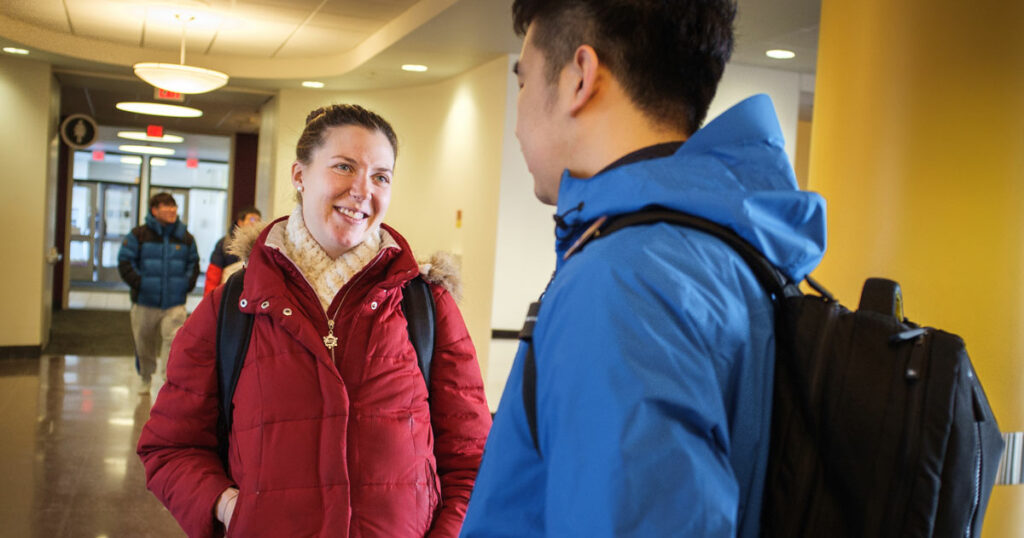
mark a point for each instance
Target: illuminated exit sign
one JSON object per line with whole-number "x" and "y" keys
{"x": 165, "y": 95}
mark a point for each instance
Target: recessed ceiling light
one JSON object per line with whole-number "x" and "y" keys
{"x": 780, "y": 54}
{"x": 15, "y": 50}
{"x": 414, "y": 67}
{"x": 131, "y": 159}
{"x": 159, "y": 109}
{"x": 146, "y": 150}
{"x": 313, "y": 84}
{"x": 140, "y": 135}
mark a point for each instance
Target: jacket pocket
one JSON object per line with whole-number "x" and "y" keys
{"x": 433, "y": 491}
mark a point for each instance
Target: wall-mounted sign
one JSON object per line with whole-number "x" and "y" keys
{"x": 78, "y": 131}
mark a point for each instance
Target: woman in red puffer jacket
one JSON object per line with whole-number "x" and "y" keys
{"x": 332, "y": 431}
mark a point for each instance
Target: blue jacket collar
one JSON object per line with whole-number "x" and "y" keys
{"x": 734, "y": 172}
{"x": 176, "y": 229}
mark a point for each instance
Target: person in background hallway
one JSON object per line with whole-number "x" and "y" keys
{"x": 223, "y": 265}
{"x": 333, "y": 432}
{"x": 159, "y": 262}
{"x": 653, "y": 348}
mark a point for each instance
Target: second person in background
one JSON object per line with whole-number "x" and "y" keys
{"x": 223, "y": 265}
{"x": 333, "y": 433}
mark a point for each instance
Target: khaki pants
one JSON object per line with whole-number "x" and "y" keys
{"x": 153, "y": 329}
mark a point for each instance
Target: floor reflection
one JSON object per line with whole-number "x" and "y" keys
{"x": 68, "y": 457}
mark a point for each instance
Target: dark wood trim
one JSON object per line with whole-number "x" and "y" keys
{"x": 504, "y": 334}
{"x": 64, "y": 184}
{"x": 20, "y": 352}
{"x": 243, "y": 193}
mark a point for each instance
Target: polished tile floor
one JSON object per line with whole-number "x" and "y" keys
{"x": 67, "y": 455}
{"x": 113, "y": 300}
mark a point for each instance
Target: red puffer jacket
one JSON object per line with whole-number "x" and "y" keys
{"x": 322, "y": 446}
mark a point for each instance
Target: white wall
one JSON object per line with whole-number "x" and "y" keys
{"x": 742, "y": 81}
{"x": 449, "y": 159}
{"x": 25, "y": 104}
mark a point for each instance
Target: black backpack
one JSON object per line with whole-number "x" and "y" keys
{"x": 234, "y": 329}
{"x": 880, "y": 428}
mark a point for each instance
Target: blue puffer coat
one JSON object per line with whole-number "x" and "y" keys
{"x": 655, "y": 350}
{"x": 160, "y": 263}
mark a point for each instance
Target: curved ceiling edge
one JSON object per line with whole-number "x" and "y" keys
{"x": 95, "y": 50}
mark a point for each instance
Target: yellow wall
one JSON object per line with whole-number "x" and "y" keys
{"x": 449, "y": 158}
{"x": 802, "y": 157}
{"x": 918, "y": 147}
{"x": 25, "y": 99}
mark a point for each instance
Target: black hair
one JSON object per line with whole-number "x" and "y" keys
{"x": 319, "y": 120}
{"x": 668, "y": 55}
{"x": 162, "y": 198}
{"x": 250, "y": 210}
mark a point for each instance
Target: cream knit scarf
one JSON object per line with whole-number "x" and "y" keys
{"x": 327, "y": 276}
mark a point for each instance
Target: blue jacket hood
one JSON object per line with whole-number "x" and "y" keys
{"x": 734, "y": 172}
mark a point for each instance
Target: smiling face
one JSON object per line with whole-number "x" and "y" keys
{"x": 165, "y": 213}
{"x": 346, "y": 186}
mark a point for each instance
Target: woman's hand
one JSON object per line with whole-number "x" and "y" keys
{"x": 226, "y": 506}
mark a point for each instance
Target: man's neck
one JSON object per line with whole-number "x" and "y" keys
{"x": 607, "y": 137}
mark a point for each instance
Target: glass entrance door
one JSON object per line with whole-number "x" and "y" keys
{"x": 119, "y": 210}
{"x": 101, "y": 215}
{"x": 84, "y": 217}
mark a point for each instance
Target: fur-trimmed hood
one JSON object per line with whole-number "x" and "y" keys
{"x": 441, "y": 268}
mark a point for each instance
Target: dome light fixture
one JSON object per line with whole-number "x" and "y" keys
{"x": 140, "y": 135}
{"x": 780, "y": 54}
{"x": 15, "y": 50}
{"x": 180, "y": 78}
{"x": 312, "y": 84}
{"x": 159, "y": 109}
{"x": 146, "y": 150}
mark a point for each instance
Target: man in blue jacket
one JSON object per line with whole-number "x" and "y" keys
{"x": 160, "y": 263}
{"x": 653, "y": 346}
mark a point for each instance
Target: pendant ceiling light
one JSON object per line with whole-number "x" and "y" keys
{"x": 180, "y": 78}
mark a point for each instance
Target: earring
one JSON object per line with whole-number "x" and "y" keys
{"x": 300, "y": 188}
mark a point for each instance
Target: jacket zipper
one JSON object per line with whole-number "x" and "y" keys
{"x": 976, "y": 498}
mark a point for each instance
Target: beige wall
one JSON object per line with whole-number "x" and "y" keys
{"x": 25, "y": 100}
{"x": 449, "y": 159}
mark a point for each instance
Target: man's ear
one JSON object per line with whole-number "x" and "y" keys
{"x": 584, "y": 70}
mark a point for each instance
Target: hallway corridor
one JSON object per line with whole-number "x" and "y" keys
{"x": 67, "y": 457}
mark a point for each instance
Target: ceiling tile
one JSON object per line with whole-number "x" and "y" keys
{"x": 258, "y": 38}
{"x": 382, "y": 10}
{"x": 314, "y": 40}
{"x": 321, "y": 41}
{"x": 107, "y": 20}
{"x": 47, "y": 14}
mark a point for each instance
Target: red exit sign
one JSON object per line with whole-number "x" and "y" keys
{"x": 165, "y": 95}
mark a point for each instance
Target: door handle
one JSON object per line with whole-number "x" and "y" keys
{"x": 53, "y": 256}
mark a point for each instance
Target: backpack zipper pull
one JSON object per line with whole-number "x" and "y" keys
{"x": 330, "y": 340}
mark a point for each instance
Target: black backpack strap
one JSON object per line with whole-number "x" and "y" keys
{"x": 234, "y": 330}
{"x": 530, "y": 373}
{"x": 770, "y": 277}
{"x": 418, "y": 307}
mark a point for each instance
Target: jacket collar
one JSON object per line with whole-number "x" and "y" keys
{"x": 734, "y": 172}
{"x": 175, "y": 229}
